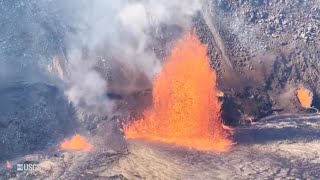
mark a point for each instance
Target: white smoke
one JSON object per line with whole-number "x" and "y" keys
{"x": 87, "y": 86}
{"x": 121, "y": 31}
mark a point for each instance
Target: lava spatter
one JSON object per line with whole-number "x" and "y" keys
{"x": 185, "y": 110}
{"x": 77, "y": 143}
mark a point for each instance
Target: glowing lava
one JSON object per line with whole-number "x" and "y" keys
{"x": 186, "y": 110}
{"x": 305, "y": 97}
{"x": 8, "y": 165}
{"x": 77, "y": 143}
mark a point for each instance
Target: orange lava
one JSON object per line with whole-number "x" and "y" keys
{"x": 305, "y": 97}
{"x": 186, "y": 110}
{"x": 8, "y": 165}
{"x": 77, "y": 143}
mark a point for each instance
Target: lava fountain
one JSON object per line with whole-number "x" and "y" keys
{"x": 77, "y": 143}
{"x": 186, "y": 109}
{"x": 305, "y": 97}
{"x": 8, "y": 165}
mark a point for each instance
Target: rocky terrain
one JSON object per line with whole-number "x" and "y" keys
{"x": 274, "y": 147}
{"x": 262, "y": 51}
{"x": 31, "y": 118}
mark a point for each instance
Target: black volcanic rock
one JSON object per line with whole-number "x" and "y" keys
{"x": 33, "y": 117}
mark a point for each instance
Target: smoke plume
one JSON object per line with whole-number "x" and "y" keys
{"x": 108, "y": 45}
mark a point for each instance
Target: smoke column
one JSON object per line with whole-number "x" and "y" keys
{"x": 114, "y": 37}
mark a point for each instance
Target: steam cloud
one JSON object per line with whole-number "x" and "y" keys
{"x": 114, "y": 37}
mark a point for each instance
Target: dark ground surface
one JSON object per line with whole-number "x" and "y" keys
{"x": 271, "y": 45}
{"x": 277, "y": 147}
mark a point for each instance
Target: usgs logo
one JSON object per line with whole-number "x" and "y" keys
{"x": 27, "y": 166}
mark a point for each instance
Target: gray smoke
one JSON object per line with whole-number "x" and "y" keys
{"x": 111, "y": 40}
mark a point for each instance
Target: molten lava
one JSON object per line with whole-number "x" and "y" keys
{"x": 186, "y": 110}
{"x": 305, "y": 97}
{"x": 8, "y": 165}
{"x": 77, "y": 143}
